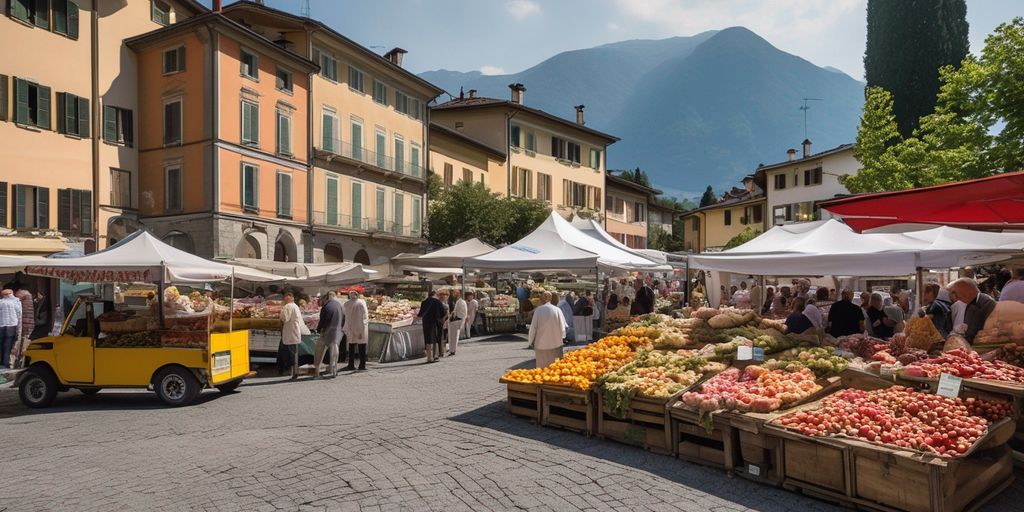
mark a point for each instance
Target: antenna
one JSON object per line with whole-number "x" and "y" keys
{"x": 805, "y": 108}
{"x": 305, "y": 10}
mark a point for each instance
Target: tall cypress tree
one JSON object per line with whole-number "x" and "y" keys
{"x": 709, "y": 198}
{"x": 908, "y": 41}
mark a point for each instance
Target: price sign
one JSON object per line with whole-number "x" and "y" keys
{"x": 949, "y": 385}
{"x": 744, "y": 353}
{"x": 758, "y": 354}
{"x": 754, "y": 470}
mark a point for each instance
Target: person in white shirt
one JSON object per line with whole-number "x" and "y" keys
{"x": 1014, "y": 290}
{"x": 356, "y": 329}
{"x": 456, "y": 321}
{"x": 10, "y": 325}
{"x": 291, "y": 331}
{"x": 472, "y": 307}
{"x": 741, "y": 298}
{"x": 547, "y": 330}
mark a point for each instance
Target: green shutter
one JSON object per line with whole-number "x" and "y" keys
{"x": 42, "y": 208}
{"x": 254, "y": 122}
{"x": 43, "y": 107}
{"x": 20, "y": 9}
{"x": 332, "y": 202}
{"x": 3, "y": 97}
{"x": 109, "y": 124}
{"x": 72, "y": 19}
{"x": 41, "y": 13}
{"x": 181, "y": 58}
{"x": 20, "y": 101}
{"x": 61, "y": 112}
{"x": 3, "y": 204}
{"x": 86, "y": 202}
{"x": 60, "y": 16}
{"x": 68, "y": 122}
{"x": 83, "y": 117}
{"x": 18, "y": 217}
{"x": 328, "y": 144}
{"x": 64, "y": 209}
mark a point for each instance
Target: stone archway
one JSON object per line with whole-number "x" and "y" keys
{"x": 180, "y": 240}
{"x": 333, "y": 253}
{"x": 284, "y": 248}
{"x": 248, "y": 247}
{"x": 362, "y": 257}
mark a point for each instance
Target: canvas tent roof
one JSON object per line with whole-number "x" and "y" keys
{"x": 447, "y": 258}
{"x": 306, "y": 273}
{"x": 594, "y": 230}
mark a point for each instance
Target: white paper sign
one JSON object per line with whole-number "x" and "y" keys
{"x": 744, "y": 353}
{"x": 754, "y": 470}
{"x": 758, "y": 354}
{"x": 949, "y": 385}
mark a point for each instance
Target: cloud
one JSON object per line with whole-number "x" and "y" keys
{"x": 612, "y": 26}
{"x": 492, "y": 70}
{"x": 522, "y": 9}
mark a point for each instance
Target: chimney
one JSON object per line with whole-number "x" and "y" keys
{"x": 216, "y": 5}
{"x": 472, "y": 93}
{"x": 807, "y": 148}
{"x": 518, "y": 91}
{"x": 790, "y": 155}
{"x": 748, "y": 183}
{"x": 395, "y": 56}
{"x": 462, "y": 93}
{"x": 579, "y": 115}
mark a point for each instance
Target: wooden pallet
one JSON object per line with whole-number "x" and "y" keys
{"x": 523, "y": 399}
{"x": 568, "y": 408}
{"x": 647, "y": 423}
{"x": 695, "y": 443}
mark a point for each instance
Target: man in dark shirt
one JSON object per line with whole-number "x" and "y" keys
{"x": 643, "y": 303}
{"x": 432, "y": 312}
{"x": 844, "y": 317}
{"x": 797, "y": 322}
{"x": 979, "y": 305}
{"x": 937, "y": 308}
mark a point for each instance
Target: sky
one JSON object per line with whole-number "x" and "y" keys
{"x": 507, "y": 36}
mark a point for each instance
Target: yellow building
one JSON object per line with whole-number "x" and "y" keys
{"x": 66, "y": 128}
{"x": 710, "y": 228}
{"x": 368, "y": 136}
{"x": 456, "y": 157}
{"x": 551, "y": 159}
{"x": 627, "y": 207}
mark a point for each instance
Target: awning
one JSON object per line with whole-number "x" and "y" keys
{"x": 30, "y": 245}
{"x": 996, "y": 202}
{"x": 302, "y": 273}
{"x": 448, "y": 257}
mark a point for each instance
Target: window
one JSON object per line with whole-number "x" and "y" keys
{"x": 695, "y": 224}
{"x": 172, "y": 122}
{"x": 160, "y": 12}
{"x": 531, "y": 142}
{"x": 3, "y": 204}
{"x": 414, "y": 159}
{"x": 572, "y": 152}
{"x": 382, "y": 147}
{"x": 543, "y": 186}
{"x": 72, "y": 114}
{"x": 33, "y": 12}
{"x": 522, "y": 182}
{"x": 782, "y": 214}
{"x": 355, "y": 79}
{"x": 753, "y": 215}
{"x": 399, "y": 213}
{"x": 357, "y": 139}
{"x": 250, "y": 64}
{"x": 284, "y": 134}
{"x": 402, "y": 102}
{"x": 728, "y": 217}
{"x": 32, "y": 207}
{"x": 638, "y": 212}
{"x": 417, "y": 216}
{"x": 515, "y": 137}
{"x": 595, "y": 159}
{"x": 173, "y": 188}
{"x": 65, "y": 18}
{"x": 399, "y": 154}
{"x": 284, "y": 80}
{"x": 381, "y": 197}
{"x": 250, "y": 188}
{"x": 284, "y": 194}
{"x": 467, "y": 175}
{"x": 74, "y": 211}
{"x": 812, "y": 177}
{"x": 31, "y": 104}
{"x": 331, "y": 137}
{"x": 3, "y": 101}
{"x": 449, "y": 175}
{"x": 118, "y": 126}
{"x": 557, "y": 147}
{"x": 380, "y": 93}
{"x": 250, "y": 123}
{"x": 174, "y": 60}
{"x": 328, "y": 65}
{"x": 780, "y": 181}
{"x": 357, "y": 205}
{"x": 332, "y": 200}
{"x": 120, "y": 188}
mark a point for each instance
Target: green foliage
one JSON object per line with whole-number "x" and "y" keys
{"x": 709, "y": 198}
{"x": 658, "y": 238}
{"x": 675, "y": 204}
{"x": 467, "y": 210}
{"x": 908, "y": 41}
{"x": 524, "y": 215}
{"x": 745, "y": 236}
{"x": 636, "y": 176}
{"x": 958, "y": 140}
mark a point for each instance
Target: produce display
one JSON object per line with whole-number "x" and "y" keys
{"x": 901, "y": 417}
{"x": 823, "y": 361}
{"x": 654, "y": 374}
{"x": 183, "y": 339}
{"x": 141, "y": 339}
{"x": 968, "y": 365}
{"x": 387, "y": 310}
{"x": 580, "y": 368}
{"x": 727, "y": 351}
{"x": 1012, "y": 353}
{"x": 502, "y": 305}
{"x": 921, "y": 333}
{"x": 755, "y": 389}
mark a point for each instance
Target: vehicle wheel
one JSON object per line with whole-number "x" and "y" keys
{"x": 38, "y": 387}
{"x": 229, "y": 387}
{"x": 89, "y": 391}
{"x": 176, "y": 386}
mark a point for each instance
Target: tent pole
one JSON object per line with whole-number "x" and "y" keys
{"x": 919, "y": 286}
{"x": 231, "y": 302}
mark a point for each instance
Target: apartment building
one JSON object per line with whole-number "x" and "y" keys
{"x": 66, "y": 121}
{"x": 627, "y": 207}
{"x": 368, "y": 133}
{"x": 550, "y": 158}
{"x": 224, "y": 163}
{"x": 455, "y": 157}
{"x": 794, "y": 187}
{"x": 710, "y": 228}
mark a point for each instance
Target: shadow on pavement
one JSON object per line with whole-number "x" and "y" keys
{"x": 107, "y": 400}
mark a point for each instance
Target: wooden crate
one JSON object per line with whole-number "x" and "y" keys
{"x": 647, "y": 423}
{"x": 695, "y": 443}
{"x": 819, "y": 467}
{"x": 523, "y": 399}
{"x": 568, "y": 408}
{"x": 760, "y": 457}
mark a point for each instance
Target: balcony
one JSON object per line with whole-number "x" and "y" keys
{"x": 380, "y": 161}
{"x": 367, "y": 225}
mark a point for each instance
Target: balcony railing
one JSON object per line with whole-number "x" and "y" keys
{"x": 364, "y": 155}
{"x": 368, "y": 224}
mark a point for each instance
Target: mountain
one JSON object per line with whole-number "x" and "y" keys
{"x": 691, "y": 111}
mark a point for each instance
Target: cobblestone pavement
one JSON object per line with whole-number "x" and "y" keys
{"x": 398, "y": 437}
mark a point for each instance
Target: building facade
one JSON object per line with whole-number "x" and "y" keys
{"x": 550, "y": 159}
{"x": 368, "y": 140}
{"x": 456, "y": 157}
{"x": 627, "y": 211}
{"x": 794, "y": 187}
{"x": 710, "y": 228}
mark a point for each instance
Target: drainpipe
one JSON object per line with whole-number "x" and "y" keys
{"x": 508, "y": 153}
{"x": 215, "y": 133}
{"x": 94, "y": 42}
{"x": 310, "y": 172}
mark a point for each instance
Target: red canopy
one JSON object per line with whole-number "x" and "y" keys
{"x": 996, "y": 202}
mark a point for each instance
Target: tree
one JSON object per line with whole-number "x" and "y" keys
{"x": 709, "y": 198}
{"x": 636, "y": 176}
{"x": 524, "y": 215}
{"x": 908, "y": 41}
{"x": 466, "y": 210}
{"x": 658, "y": 238}
{"x": 743, "y": 237}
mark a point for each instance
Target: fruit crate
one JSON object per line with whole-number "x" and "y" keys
{"x": 523, "y": 399}
{"x": 695, "y": 442}
{"x": 568, "y": 408}
{"x": 497, "y": 324}
{"x": 760, "y": 456}
{"x": 647, "y": 423}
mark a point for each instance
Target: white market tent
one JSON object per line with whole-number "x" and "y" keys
{"x": 594, "y": 230}
{"x": 12, "y": 264}
{"x": 304, "y": 273}
{"x": 448, "y": 260}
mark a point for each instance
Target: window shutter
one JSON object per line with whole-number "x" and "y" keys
{"x": 68, "y": 103}
{"x": 529, "y": 183}
{"x": 3, "y": 97}
{"x": 3, "y": 204}
{"x": 128, "y": 127}
{"x": 72, "y": 19}
{"x": 180, "y": 51}
{"x": 60, "y": 16}
{"x": 20, "y": 101}
{"x": 43, "y": 107}
{"x": 42, "y": 208}
{"x": 110, "y": 124}
{"x": 254, "y": 122}
{"x": 83, "y": 117}
{"x": 286, "y": 196}
{"x": 86, "y": 202}
{"x": 332, "y": 202}
{"x": 61, "y": 113}
{"x": 41, "y": 13}
{"x": 328, "y": 126}
{"x": 64, "y": 209}
{"x": 18, "y": 217}
{"x": 20, "y": 9}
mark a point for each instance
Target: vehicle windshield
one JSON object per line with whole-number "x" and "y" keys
{"x": 75, "y": 319}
